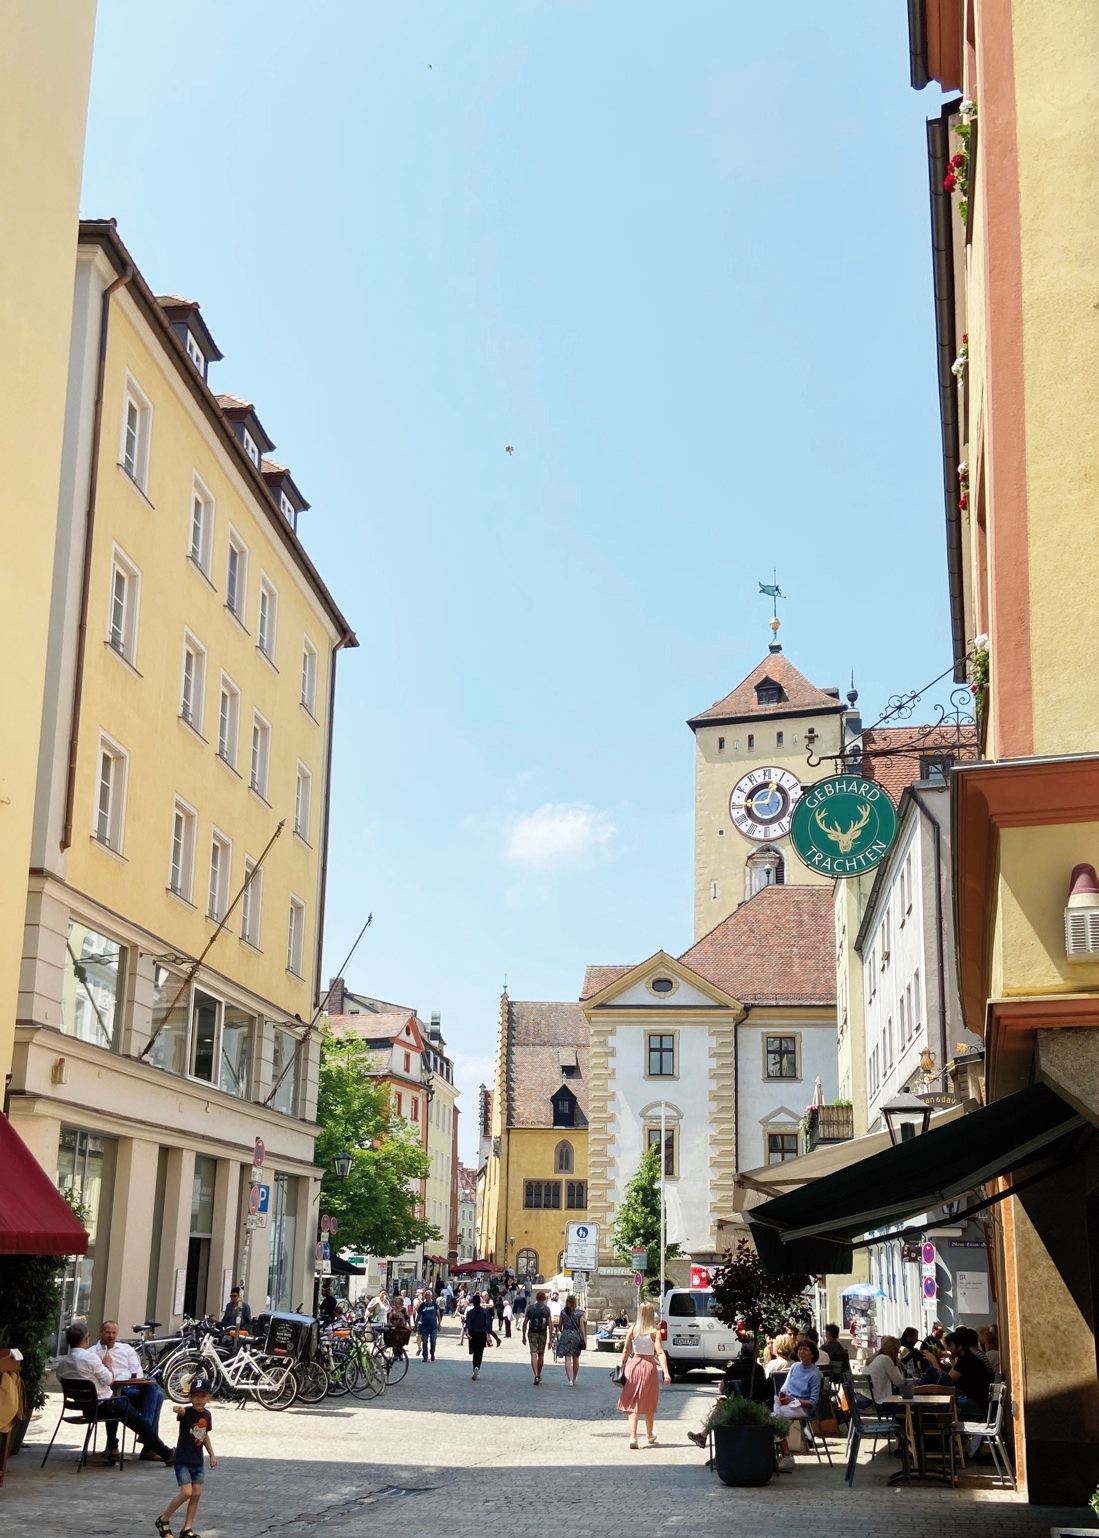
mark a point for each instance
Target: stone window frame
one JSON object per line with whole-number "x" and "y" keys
{"x": 798, "y": 1059}
{"x": 672, "y": 1031}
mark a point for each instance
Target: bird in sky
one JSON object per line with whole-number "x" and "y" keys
{"x": 509, "y": 449}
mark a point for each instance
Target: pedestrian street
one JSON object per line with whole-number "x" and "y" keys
{"x": 441, "y": 1454}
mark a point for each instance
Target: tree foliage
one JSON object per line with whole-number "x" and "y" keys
{"x": 30, "y": 1302}
{"x": 377, "y": 1204}
{"x": 637, "y": 1221}
{"x": 762, "y": 1302}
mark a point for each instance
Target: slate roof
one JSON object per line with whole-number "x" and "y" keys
{"x": 800, "y": 695}
{"x": 776, "y": 948}
{"x": 598, "y": 978}
{"x": 542, "y": 1037}
{"x": 898, "y": 771}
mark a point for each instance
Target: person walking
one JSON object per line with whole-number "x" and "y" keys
{"x": 508, "y": 1314}
{"x": 479, "y": 1328}
{"x": 195, "y": 1425}
{"x": 427, "y": 1327}
{"x": 536, "y": 1323}
{"x": 572, "y": 1338}
{"x": 642, "y": 1351}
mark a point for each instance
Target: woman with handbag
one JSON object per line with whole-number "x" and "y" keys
{"x": 641, "y": 1351}
{"x": 571, "y": 1338}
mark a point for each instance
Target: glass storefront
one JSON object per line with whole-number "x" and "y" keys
{"x": 204, "y": 1035}
{"x": 202, "y": 1228}
{"x": 92, "y": 985}
{"x": 85, "y": 1174}
{"x": 283, "y": 1220}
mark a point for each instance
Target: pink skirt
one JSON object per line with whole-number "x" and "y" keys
{"x": 641, "y": 1390}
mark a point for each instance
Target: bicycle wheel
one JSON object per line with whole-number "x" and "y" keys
{"x": 312, "y": 1383}
{"x": 341, "y": 1373}
{"x": 396, "y": 1364}
{"x": 370, "y": 1379}
{"x": 177, "y": 1384}
{"x": 280, "y": 1389}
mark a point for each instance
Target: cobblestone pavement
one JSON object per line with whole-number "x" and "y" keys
{"x": 440, "y": 1454}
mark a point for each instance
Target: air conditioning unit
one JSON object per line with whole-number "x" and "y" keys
{"x": 1082, "y": 915}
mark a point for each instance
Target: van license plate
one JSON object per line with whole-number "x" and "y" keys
{"x": 684, "y": 1340}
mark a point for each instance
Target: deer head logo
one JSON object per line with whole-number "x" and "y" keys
{"x": 843, "y": 837}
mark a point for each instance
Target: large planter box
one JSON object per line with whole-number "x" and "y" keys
{"x": 744, "y": 1455}
{"x": 831, "y": 1124}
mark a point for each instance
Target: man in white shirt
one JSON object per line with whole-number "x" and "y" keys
{"x": 124, "y": 1362}
{"x": 84, "y": 1363}
{"x": 556, "y": 1308}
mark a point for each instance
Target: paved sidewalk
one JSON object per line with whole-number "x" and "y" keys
{"x": 440, "y": 1454}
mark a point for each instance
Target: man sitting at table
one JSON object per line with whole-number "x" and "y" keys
{"x": 111, "y": 1408}
{"x": 124, "y": 1362}
{"x": 237, "y": 1315}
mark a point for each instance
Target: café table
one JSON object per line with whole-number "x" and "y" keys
{"x": 914, "y": 1411}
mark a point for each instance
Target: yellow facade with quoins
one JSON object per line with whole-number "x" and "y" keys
{"x": 174, "y": 908}
{"x": 45, "y": 64}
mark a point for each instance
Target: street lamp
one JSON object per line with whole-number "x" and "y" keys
{"x": 906, "y": 1117}
{"x": 342, "y": 1163}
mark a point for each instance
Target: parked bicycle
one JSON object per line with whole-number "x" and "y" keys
{"x": 240, "y": 1373}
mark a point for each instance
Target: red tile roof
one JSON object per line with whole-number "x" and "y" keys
{"x": 776, "y": 948}
{"x": 542, "y": 1037}
{"x": 741, "y": 705}
{"x": 598, "y": 978}
{"x": 898, "y": 770}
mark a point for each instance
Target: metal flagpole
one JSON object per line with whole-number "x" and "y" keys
{"x": 663, "y": 1170}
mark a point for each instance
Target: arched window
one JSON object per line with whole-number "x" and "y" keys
{"x": 763, "y": 867}
{"x": 562, "y": 1159}
{"x": 526, "y": 1263}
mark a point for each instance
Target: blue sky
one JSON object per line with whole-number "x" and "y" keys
{"x": 678, "y": 258}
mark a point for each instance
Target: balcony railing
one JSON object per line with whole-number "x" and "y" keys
{"x": 829, "y": 1124}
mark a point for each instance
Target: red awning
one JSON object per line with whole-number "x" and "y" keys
{"x": 472, "y": 1267}
{"x": 35, "y": 1219}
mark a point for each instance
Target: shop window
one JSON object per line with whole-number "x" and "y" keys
{"x": 92, "y": 986}
{"x": 283, "y": 1222}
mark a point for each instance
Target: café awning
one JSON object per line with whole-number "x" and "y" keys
{"x": 814, "y": 1228}
{"x": 476, "y": 1268}
{"x": 341, "y": 1267}
{"x": 35, "y": 1219}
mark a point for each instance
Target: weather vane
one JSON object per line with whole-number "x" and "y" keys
{"x": 772, "y": 591}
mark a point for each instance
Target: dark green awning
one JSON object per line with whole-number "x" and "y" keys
{"x": 813, "y": 1228}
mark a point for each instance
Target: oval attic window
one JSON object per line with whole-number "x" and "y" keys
{"x": 662, "y": 985}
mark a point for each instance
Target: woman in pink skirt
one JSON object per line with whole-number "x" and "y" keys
{"x": 641, "y": 1352}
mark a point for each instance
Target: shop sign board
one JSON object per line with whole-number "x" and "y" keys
{"x": 843, "y": 826}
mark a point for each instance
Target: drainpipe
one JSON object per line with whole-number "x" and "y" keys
{"x": 939, "y": 962}
{"x": 317, "y": 974}
{"x": 86, "y": 576}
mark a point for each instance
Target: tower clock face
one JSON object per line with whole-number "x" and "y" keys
{"x": 762, "y": 803}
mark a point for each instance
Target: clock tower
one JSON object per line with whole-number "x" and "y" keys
{"x": 750, "y": 764}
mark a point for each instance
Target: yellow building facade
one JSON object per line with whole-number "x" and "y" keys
{"x": 1014, "y": 182}
{"x": 175, "y": 905}
{"x": 534, "y": 1179}
{"x": 45, "y": 65}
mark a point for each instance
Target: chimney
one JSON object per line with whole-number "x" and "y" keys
{"x": 337, "y": 990}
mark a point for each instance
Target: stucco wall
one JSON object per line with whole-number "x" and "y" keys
{"x": 763, "y": 1102}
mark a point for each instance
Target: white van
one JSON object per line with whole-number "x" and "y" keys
{"x": 692, "y": 1336}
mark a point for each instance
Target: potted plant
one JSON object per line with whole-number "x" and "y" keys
{"x": 744, "y": 1441}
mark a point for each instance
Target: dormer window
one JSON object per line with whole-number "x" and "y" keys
{"x": 196, "y": 355}
{"x": 769, "y": 693}
{"x": 250, "y": 448}
{"x": 286, "y": 507}
{"x": 564, "y": 1108}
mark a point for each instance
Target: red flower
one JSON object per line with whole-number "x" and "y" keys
{"x": 965, "y": 337}
{"x": 950, "y": 181}
{"x": 958, "y": 162}
{"x": 963, "y": 501}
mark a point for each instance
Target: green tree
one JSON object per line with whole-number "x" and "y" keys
{"x": 376, "y": 1205}
{"x": 637, "y": 1221}
{"x": 762, "y": 1302}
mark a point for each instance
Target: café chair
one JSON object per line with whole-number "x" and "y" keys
{"x": 859, "y": 1427}
{"x": 79, "y": 1395}
{"x": 992, "y": 1433}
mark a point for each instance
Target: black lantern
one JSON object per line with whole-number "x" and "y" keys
{"x": 906, "y": 1117}
{"x": 342, "y": 1163}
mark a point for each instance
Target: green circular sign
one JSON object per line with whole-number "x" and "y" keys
{"x": 843, "y": 826}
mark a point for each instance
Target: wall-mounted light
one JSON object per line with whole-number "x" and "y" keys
{"x": 1082, "y": 915}
{"x": 906, "y": 1117}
